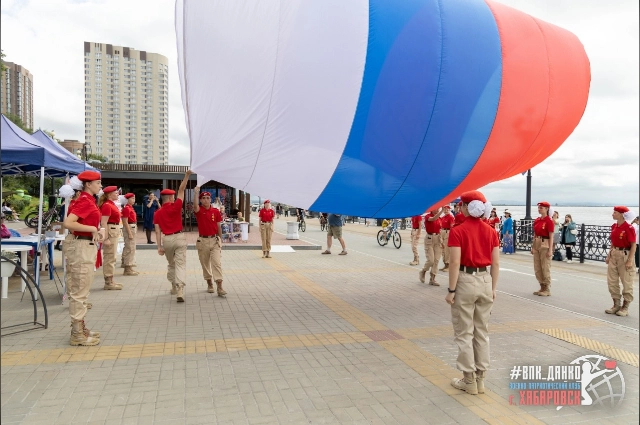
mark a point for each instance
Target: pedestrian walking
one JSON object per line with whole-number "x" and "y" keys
{"x": 473, "y": 278}
{"x": 266, "y": 227}
{"x": 432, "y": 248}
{"x": 334, "y": 222}
{"x": 568, "y": 234}
{"x": 542, "y": 248}
{"x": 80, "y": 250}
{"x": 278, "y": 210}
{"x": 446, "y": 223}
{"x": 150, "y": 206}
{"x": 130, "y": 228}
{"x": 619, "y": 261}
{"x": 172, "y": 242}
{"x": 507, "y": 234}
{"x": 416, "y": 228}
{"x": 209, "y": 243}
{"x": 111, "y": 222}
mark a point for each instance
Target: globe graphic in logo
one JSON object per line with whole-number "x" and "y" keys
{"x": 601, "y": 381}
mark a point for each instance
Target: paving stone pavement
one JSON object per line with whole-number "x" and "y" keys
{"x": 299, "y": 339}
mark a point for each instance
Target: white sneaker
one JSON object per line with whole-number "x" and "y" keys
{"x": 569, "y": 261}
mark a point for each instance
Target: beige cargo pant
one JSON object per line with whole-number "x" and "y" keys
{"x": 266, "y": 229}
{"x": 209, "y": 253}
{"x": 541, "y": 261}
{"x": 617, "y": 273}
{"x": 415, "y": 239}
{"x": 129, "y": 251}
{"x": 109, "y": 251}
{"x": 175, "y": 249}
{"x": 81, "y": 259}
{"x": 433, "y": 251}
{"x": 470, "y": 314}
{"x": 444, "y": 238}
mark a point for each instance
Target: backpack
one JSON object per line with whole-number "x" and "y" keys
{"x": 557, "y": 255}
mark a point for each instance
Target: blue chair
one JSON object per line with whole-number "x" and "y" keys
{"x": 14, "y": 233}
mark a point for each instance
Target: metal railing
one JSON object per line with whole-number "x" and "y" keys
{"x": 143, "y": 167}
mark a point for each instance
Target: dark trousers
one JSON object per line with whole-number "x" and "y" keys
{"x": 568, "y": 251}
{"x": 637, "y": 257}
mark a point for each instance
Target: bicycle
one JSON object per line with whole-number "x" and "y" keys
{"x": 31, "y": 220}
{"x": 390, "y": 233}
{"x": 302, "y": 224}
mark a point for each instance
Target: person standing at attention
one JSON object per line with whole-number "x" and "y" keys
{"x": 209, "y": 243}
{"x": 473, "y": 278}
{"x": 130, "y": 226}
{"x": 416, "y": 227}
{"x": 334, "y": 221}
{"x": 80, "y": 250}
{"x": 620, "y": 261}
{"x": 151, "y": 206}
{"x": 432, "y": 248}
{"x": 446, "y": 221}
{"x": 171, "y": 241}
{"x": 542, "y": 249}
{"x": 266, "y": 215}
{"x": 111, "y": 222}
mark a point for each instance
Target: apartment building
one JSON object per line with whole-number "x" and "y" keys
{"x": 17, "y": 93}
{"x": 126, "y": 104}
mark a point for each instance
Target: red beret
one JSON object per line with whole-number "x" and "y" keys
{"x": 129, "y": 195}
{"x": 89, "y": 176}
{"x": 167, "y": 192}
{"x": 266, "y": 201}
{"x": 447, "y": 206}
{"x": 460, "y": 203}
{"x": 205, "y": 194}
{"x": 621, "y": 209}
{"x": 544, "y": 204}
{"x": 110, "y": 189}
{"x": 472, "y": 195}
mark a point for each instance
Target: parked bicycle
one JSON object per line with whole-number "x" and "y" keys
{"x": 51, "y": 216}
{"x": 390, "y": 233}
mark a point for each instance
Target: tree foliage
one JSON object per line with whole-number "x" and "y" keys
{"x": 18, "y": 121}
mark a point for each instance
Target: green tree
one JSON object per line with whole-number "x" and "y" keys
{"x": 98, "y": 157}
{"x": 18, "y": 121}
{"x": 4, "y": 68}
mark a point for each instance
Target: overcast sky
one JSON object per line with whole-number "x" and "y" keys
{"x": 598, "y": 163}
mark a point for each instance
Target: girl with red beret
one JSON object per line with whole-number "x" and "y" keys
{"x": 111, "y": 222}
{"x": 542, "y": 248}
{"x": 620, "y": 261}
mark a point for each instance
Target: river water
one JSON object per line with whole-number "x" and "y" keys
{"x": 600, "y": 216}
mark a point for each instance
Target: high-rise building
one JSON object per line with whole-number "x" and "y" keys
{"x": 17, "y": 93}
{"x": 126, "y": 98}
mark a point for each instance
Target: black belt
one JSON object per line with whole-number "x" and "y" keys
{"x": 446, "y": 230}
{"x": 543, "y": 237}
{"x": 84, "y": 238}
{"x": 169, "y": 234}
{"x": 432, "y": 233}
{"x": 265, "y": 222}
{"x": 472, "y": 270}
{"x": 207, "y": 237}
{"x": 621, "y": 249}
{"x": 415, "y": 228}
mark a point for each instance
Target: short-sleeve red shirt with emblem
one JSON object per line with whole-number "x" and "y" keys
{"x": 266, "y": 215}
{"x": 169, "y": 217}
{"x": 543, "y": 226}
{"x": 431, "y": 226}
{"x": 208, "y": 220}
{"x": 110, "y": 210}
{"x": 416, "y": 220}
{"x": 447, "y": 221}
{"x": 130, "y": 214}
{"x": 459, "y": 219}
{"x": 476, "y": 241}
{"x": 622, "y": 236}
{"x": 86, "y": 209}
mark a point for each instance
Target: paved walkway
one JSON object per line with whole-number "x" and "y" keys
{"x": 301, "y": 338}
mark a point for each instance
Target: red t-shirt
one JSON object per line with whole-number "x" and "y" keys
{"x": 622, "y": 236}
{"x": 476, "y": 241}
{"x": 431, "y": 226}
{"x": 130, "y": 214}
{"x": 169, "y": 217}
{"x": 87, "y": 211}
{"x": 447, "y": 221}
{"x": 415, "y": 221}
{"x": 266, "y": 215}
{"x": 493, "y": 221}
{"x": 208, "y": 220}
{"x": 459, "y": 219}
{"x": 110, "y": 210}
{"x": 543, "y": 226}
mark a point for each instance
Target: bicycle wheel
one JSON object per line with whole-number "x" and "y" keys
{"x": 381, "y": 239}
{"x": 31, "y": 220}
{"x": 303, "y": 226}
{"x": 397, "y": 240}
{"x": 322, "y": 227}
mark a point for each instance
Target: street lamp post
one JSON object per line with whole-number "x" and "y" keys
{"x": 528, "y": 210}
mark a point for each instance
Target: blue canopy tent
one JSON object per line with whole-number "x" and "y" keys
{"x": 75, "y": 165}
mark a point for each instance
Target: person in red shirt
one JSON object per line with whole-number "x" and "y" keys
{"x": 130, "y": 226}
{"x": 458, "y": 216}
{"x": 111, "y": 222}
{"x": 446, "y": 221}
{"x": 80, "y": 250}
{"x": 266, "y": 215}
{"x": 473, "y": 278}
{"x": 416, "y": 227}
{"x": 209, "y": 243}
{"x": 432, "y": 248}
{"x": 542, "y": 248}
{"x": 620, "y": 261}
{"x": 171, "y": 240}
